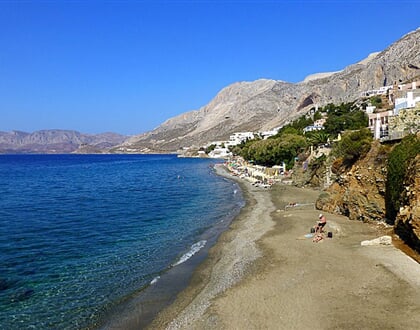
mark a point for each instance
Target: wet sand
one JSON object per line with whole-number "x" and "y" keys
{"x": 264, "y": 274}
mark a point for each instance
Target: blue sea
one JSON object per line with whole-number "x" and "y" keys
{"x": 83, "y": 236}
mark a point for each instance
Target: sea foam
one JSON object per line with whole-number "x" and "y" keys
{"x": 194, "y": 249}
{"x": 154, "y": 281}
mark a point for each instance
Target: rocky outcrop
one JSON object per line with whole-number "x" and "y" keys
{"x": 266, "y": 104}
{"x": 383, "y": 240}
{"x": 359, "y": 192}
{"x": 407, "y": 224}
{"x": 57, "y": 141}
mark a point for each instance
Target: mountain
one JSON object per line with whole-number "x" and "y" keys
{"x": 265, "y": 104}
{"x": 58, "y": 141}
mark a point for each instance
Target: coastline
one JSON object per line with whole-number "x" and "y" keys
{"x": 264, "y": 273}
{"x": 228, "y": 261}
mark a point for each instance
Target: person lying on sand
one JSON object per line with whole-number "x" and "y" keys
{"x": 317, "y": 238}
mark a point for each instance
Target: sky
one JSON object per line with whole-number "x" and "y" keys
{"x": 127, "y": 66}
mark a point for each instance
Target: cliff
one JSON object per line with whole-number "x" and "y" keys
{"x": 359, "y": 193}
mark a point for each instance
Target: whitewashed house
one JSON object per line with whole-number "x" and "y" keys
{"x": 379, "y": 121}
{"x": 220, "y": 152}
{"x": 238, "y": 138}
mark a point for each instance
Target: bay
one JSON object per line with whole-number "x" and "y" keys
{"x": 80, "y": 234}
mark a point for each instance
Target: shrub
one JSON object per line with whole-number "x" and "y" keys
{"x": 398, "y": 161}
{"x": 376, "y": 101}
{"x": 210, "y": 148}
{"x": 353, "y": 146}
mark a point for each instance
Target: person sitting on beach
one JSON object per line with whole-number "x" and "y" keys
{"x": 321, "y": 223}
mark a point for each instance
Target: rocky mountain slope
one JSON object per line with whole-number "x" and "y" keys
{"x": 57, "y": 141}
{"x": 266, "y": 104}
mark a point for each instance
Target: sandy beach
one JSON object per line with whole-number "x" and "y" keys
{"x": 265, "y": 274}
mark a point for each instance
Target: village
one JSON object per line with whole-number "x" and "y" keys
{"x": 385, "y": 125}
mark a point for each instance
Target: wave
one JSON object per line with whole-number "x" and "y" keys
{"x": 194, "y": 249}
{"x": 154, "y": 281}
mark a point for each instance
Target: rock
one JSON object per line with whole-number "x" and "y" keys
{"x": 383, "y": 240}
{"x": 359, "y": 199}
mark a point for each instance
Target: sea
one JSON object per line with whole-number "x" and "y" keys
{"x": 91, "y": 241}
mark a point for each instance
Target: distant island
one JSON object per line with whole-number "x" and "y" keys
{"x": 58, "y": 141}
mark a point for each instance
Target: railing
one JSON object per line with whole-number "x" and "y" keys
{"x": 398, "y": 135}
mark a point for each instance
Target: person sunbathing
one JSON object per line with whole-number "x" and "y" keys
{"x": 318, "y": 237}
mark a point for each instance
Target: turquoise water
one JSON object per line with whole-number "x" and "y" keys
{"x": 80, "y": 233}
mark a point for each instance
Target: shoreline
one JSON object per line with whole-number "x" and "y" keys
{"x": 264, "y": 273}
{"x": 139, "y": 309}
{"x": 227, "y": 263}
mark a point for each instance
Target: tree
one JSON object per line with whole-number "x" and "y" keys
{"x": 346, "y": 116}
{"x": 296, "y": 127}
{"x": 317, "y": 115}
{"x": 316, "y": 138}
{"x": 274, "y": 151}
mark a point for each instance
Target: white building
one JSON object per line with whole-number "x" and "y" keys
{"x": 370, "y": 109}
{"x": 378, "y": 122}
{"x": 407, "y": 102}
{"x": 220, "y": 152}
{"x": 380, "y": 91}
{"x": 266, "y": 134}
{"x": 238, "y": 138}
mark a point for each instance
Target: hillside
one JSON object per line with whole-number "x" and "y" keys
{"x": 266, "y": 104}
{"x": 57, "y": 141}
{"x": 360, "y": 193}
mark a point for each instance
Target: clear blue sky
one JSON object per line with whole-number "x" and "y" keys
{"x": 127, "y": 66}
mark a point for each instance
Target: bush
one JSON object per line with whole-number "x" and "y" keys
{"x": 398, "y": 161}
{"x": 376, "y": 101}
{"x": 210, "y": 148}
{"x": 353, "y": 146}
